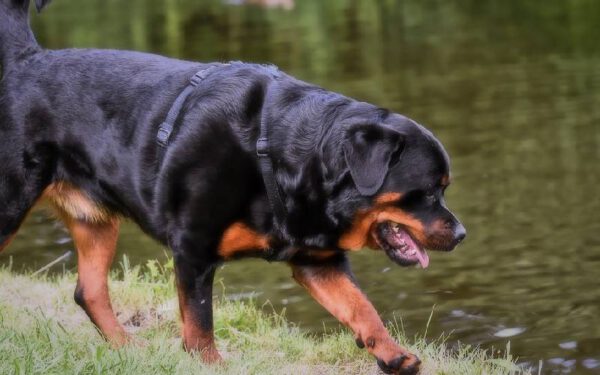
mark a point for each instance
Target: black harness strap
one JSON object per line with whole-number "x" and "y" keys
{"x": 266, "y": 166}
{"x": 262, "y": 145}
{"x": 166, "y": 128}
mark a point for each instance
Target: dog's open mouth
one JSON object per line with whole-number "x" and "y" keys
{"x": 399, "y": 245}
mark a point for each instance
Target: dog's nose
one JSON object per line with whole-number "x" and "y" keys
{"x": 459, "y": 233}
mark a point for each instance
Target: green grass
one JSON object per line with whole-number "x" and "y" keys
{"x": 42, "y": 331}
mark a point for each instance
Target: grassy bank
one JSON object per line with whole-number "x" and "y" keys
{"x": 42, "y": 331}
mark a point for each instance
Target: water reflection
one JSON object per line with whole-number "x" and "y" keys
{"x": 285, "y": 4}
{"x": 511, "y": 88}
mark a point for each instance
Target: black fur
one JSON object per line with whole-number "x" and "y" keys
{"x": 369, "y": 150}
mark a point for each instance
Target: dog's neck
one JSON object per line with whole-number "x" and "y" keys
{"x": 16, "y": 37}
{"x": 298, "y": 133}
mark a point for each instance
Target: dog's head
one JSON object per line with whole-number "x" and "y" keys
{"x": 399, "y": 173}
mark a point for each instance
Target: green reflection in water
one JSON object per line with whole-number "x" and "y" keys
{"x": 511, "y": 88}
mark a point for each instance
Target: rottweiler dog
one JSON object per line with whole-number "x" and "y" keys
{"x": 79, "y": 129}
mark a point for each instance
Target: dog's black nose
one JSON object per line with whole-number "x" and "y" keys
{"x": 459, "y": 233}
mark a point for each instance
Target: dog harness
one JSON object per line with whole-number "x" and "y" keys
{"x": 263, "y": 150}
{"x": 166, "y": 128}
{"x": 262, "y": 145}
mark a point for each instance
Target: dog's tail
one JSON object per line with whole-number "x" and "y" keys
{"x": 15, "y": 34}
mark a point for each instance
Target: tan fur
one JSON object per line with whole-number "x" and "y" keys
{"x": 74, "y": 203}
{"x": 359, "y": 236}
{"x": 238, "y": 238}
{"x": 96, "y": 245}
{"x": 94, "y": 230}
{"x": 336, "y": 292}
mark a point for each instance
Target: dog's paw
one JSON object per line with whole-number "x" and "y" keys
{"x": 406, "y": 364}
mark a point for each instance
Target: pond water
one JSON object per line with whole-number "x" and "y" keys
{"x": 512, "y": 88}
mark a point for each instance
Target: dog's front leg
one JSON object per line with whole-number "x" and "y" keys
{"x": 194, "y": 289}
{"x": 332, "y": 285}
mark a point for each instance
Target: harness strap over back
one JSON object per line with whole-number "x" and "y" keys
{"x": 263, "y": 149}
{"x": 166, "y": 128}
{"x": 262, "y": 145}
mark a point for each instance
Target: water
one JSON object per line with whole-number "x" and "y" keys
{"x": 511, "y": 88}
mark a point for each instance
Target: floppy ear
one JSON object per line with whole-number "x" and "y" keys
{"x": 40, "y": 4}
{"x": 368, "y": 150}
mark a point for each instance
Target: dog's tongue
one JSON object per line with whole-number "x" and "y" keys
{"x": 421, "y": 254}
{"x": 423, "y": 258}
{"x": 402, "y": 237}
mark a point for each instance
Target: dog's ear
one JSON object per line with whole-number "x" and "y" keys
{"x": 40, "y": 4}
{"x": 369, "y": 151}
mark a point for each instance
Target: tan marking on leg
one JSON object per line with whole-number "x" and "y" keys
{"x": 238, "y": 238}
{"x": 95, "y": 232}
{"x": 195, "y": 338}
{"x": 96, "y": 246}
{"x": 334, "y": 290}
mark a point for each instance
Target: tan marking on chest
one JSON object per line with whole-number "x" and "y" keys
{"x": 239, "y": 238}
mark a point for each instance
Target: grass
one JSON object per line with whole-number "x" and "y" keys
{"x": 42, "y": 331}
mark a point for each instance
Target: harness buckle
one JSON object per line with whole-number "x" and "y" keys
{"x": 164, "y": 133}
{"x": 262, "y": 147}
{"x": 200, "y": 76}
{"x": 197, "y": 78}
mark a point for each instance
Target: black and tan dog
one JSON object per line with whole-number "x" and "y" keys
{"x": 79, "y": 128}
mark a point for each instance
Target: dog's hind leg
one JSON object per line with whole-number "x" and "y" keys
{"x": 96, "y": 243}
